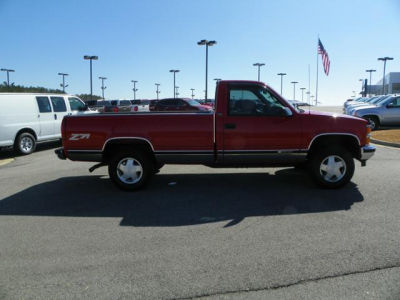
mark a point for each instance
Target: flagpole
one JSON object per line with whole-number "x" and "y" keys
{"x": 316, "y": 85}
{"x": 309, "y": 84}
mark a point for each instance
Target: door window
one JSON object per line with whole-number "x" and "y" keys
{"x": 76, "y": 104}
{"x": 44, "y": 104}
{"x": 253, "y": 101}
{"x": 58, "y": 104}
{"x": 395, "y": 102}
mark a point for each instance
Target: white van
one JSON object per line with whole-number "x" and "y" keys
{"x": 27, "y": 119}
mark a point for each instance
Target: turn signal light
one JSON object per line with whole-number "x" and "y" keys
{"x": 368, "y": 137}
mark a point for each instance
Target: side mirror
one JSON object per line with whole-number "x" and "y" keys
{"x": 390, "y": 105}
{"x": 286, "y": 111}
{"x": 83, "y": 108}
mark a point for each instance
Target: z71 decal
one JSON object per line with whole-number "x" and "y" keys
{"x": 79, "y": 136}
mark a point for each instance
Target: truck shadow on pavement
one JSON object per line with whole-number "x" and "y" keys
{"x": 182, "y": 199}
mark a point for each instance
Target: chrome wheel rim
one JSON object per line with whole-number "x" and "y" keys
{"x": 371, "y": 123}
{"x": 129, "y": 170}
{"x": 332, "y": 168}
{"x": 26, "y": 144}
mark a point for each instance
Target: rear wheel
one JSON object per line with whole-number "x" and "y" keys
{"x": 373, "y": 122}
{"x": 130, "y": 170}
{"x": 25, "y": 143}
{"x": 332, "y": 168}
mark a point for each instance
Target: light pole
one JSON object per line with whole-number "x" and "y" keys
{"x": 63, "y": 85}
{"x": 259, "y": 65}
{"x": 217, "y": 80}
{"x": 174, "y": 71}
{"x": 91, "y": 57}
{"x": 294, "y": 89}
{"x": 8, "y": 75}
{"x": 281, "y": 74}
{"x": 176, "y": 91}
{"x": 102, "y": 86}
{"x": 206, "y": 43}
{"x": 134, "y": 89}
{"x": 302, "y": 94}
{"x": 192, "y": 93}
{"x": 370, "y": 79}
{"x": 384, "y": 59}
{"x": 362, "y": 85}
{"x": 157, "y": 91}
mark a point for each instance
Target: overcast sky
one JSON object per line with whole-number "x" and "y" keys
{"x": 143, "y": 40}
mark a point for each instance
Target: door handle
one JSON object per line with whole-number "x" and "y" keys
{"x": 55, "y": 116}
{"x": 230, "y": 126}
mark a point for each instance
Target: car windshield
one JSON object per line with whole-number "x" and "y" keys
{"x": 193, "y": 102}
{"x": 383, "y": 101}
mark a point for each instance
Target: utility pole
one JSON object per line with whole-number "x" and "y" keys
{"x": 63, "y": 85}
{"x": 206, "y": 43}
{"x": 157, "y": 91}
{"x": 134, "y": 89}
{"x": 370, "y": 80}
{"x": 174, "y": 71}
{"x": 384, "y": 59}
{"x": 91, "y": 57}
{"x": 8, "y": 75}
{"x": 294, "y": 89}
{"x": 258, "y": 65}
{"x": 281, "y": 74}
{"x": 192, "y": 93}
{"x": 302, "y": 94}
{"x": 102, "y": 85}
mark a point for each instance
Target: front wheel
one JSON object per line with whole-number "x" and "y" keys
{"x": 130, "y": 170}
{"x": 332, "y": 168}
{"x": 373, "y": 122}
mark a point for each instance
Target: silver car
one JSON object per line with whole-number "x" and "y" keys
{"x": 386, "y": 112}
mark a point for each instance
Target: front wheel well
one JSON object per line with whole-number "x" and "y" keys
{"x": 349, "y": 142}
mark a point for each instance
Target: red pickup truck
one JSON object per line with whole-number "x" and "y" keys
{"x": 252, "y": 126}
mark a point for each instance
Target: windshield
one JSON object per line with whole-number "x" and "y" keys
{"x": 193, "y": 102}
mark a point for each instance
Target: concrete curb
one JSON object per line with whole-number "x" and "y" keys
{"x": 379, "y": 142}
{"x": 4, "y": 162}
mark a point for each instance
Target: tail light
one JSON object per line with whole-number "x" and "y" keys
{"x": 115, "y": 109}
{"x": 135, "y": 108}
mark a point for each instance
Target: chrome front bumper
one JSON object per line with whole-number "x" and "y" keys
{"x": 367, "y": 152}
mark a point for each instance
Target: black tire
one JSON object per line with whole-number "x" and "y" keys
{"x": 373, "y": 122}
{"x": 25, "y": 143}
{"x": 330, "y": 159}
{"x": 132, "y": 179}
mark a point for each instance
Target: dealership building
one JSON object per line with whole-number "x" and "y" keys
{"x": 392, "y": 85}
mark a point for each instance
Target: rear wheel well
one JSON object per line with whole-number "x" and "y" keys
{"x": 115, "y": 146}
{"x": 26, "y": 130}
{"x": 350, "y": 143}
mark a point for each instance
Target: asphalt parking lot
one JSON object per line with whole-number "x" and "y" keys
{"x": 198, "y": 232}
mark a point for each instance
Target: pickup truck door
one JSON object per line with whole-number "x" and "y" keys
{"x": 256, "y": 127}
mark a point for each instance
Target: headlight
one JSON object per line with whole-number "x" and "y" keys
{"x": 354, "y": 113}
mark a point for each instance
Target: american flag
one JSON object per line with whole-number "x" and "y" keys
{"x": 325, "y": 57}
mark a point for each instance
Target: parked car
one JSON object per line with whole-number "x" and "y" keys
{"x": 252, "y": 126}
{"x": 372, "y": 103}
{"x": 180, "y": 104}
{"x": 116, "y": 106}
{"x": 386, "y": 112}
{"x": 140, "y": 105}
{"x": 27, "y": 119}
